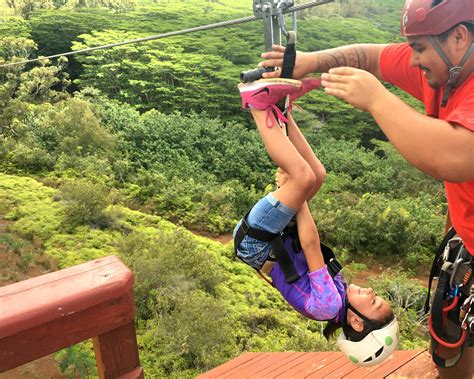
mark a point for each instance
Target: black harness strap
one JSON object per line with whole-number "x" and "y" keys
{"x": 454, "y": 270}
{"x": 330, "y": 260}
{"x": 289, "y": 57}
{"x": 332, "y": 263}
{"x": 284, "y": 260}
{"x": 438, "y": 298}
{"x": 278, "y": 247}
{"x": 246, "y": 229}
{"x": 438, "y": 319}
{"x": 436, "y": 266}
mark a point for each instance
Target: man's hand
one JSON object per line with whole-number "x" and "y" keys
{"x": 359, "y": 88}
{"x": 304, "y": 63}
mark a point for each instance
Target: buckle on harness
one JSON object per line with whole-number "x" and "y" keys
{"x": 449, "y": 248}
{"x": 461, "y": 275}
{"x": 245, "y": 226}
{"x": 333, "y": 267}
{"x": 277, "y": 246}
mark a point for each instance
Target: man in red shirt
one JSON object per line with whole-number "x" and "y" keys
{"x": 436, "y": 66}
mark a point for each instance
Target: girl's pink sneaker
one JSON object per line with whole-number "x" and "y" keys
{"x": 307, "y": 85}
{"x": 265, "y": 93}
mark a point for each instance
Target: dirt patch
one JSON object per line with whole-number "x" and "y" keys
{"x": 3, "y": 225}
{"x": 363, "y": 277}
{"x": 42, "y": 368}
{"x": 222, "y": 238}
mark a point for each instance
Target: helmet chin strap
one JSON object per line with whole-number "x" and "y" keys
{"x": 454, "y": 71}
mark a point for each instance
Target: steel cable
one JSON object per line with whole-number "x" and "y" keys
{"x": 222, "y": 24}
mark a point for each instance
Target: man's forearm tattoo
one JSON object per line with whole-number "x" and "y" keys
{"x": 354, "y": 56}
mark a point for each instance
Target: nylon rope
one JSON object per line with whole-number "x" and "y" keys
{"x": 171, "y": 34}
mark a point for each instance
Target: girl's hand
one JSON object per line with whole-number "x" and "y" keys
{"x": 281, "y": 177}
{"x": 358, "y": 87}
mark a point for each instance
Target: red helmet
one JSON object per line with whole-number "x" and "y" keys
{"x": 419, "y": 18}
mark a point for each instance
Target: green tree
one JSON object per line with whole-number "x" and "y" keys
{"x": 159, "y": 75}
{"x": 14, "y": 27}
{"x": 84, "y": 203}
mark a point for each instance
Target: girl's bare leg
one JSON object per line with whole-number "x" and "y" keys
{"x": 305, "y": 150}
{"x": 307, "y": 230}
{"x": 301, "y": 178}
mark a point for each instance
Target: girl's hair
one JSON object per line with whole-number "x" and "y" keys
{"x": 332, "y": 326}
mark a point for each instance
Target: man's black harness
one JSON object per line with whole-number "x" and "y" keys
{"x": 451, "y": 322}
{"x": 278, "y": 249}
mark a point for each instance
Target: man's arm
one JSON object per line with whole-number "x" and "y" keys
{"x": 363, "y": 56}
{"x": 436, "y": 147}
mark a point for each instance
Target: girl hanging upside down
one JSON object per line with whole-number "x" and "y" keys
{"x": 369, "y": 327}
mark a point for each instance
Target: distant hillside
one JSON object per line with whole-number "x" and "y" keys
{"x": 180, "y": 280}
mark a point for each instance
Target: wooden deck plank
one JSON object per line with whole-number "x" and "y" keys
{"x": 421, "y": 367}
{"x": 241, "y": 370}
{"x": 343, "y": 370}
{"x": 285, "y": 370}
{"x": 267, "y": 371}
{"x": 269, "y": 361}
{"x": 243, "y": 367}
{"x": 312, "y": 361}
{"x": 224, "y": 368}
{"x": 329, "y": 368}
{"x": 317, "y": 365}
{"x": 362, "y": 372}
{"x": 398, "y": 360}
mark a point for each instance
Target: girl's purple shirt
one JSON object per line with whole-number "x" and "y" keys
{"x": 316, "y": 294}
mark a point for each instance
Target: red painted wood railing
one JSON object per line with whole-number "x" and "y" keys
{"x": 42, "y": 315}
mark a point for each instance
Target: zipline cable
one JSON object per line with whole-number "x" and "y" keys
{"x": 222, "y": 24}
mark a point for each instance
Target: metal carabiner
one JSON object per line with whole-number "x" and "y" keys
{"x": 467, "y": 318}
{"x": 448, "y": 247}
{"x": 456, "y": 265}
{"x": 281, "y": 17}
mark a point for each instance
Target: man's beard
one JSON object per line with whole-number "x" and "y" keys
{"x": 430, "y": 82}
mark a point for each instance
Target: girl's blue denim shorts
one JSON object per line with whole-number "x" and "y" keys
{"x": 267, "y": 214}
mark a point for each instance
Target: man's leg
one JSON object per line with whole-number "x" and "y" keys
{"x": 464, "y": 369}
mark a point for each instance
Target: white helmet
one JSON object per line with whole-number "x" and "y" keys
{"x": 374, "y": 348}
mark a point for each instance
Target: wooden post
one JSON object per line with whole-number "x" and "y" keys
{"x": 116, "y": 352}
{"x": 45, "y": 314}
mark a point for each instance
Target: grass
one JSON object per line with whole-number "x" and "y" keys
{"x": 5, "y": 10}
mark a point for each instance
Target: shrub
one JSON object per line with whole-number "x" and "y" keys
{"x": 403, "y": 231}
{"x": 194, "y": 336}
{"x": 84, "y": 203}
{"x": 30, "y": 159}
{"x": 167, "y": 264}
{"x": 407, "y": 298}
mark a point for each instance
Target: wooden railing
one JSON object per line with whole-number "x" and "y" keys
{"x": 42, "y": 315}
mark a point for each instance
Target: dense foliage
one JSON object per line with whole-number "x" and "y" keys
{"x": 125, "y": 150}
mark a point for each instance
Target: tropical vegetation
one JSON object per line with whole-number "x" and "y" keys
{"x": 140, "y": 150}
